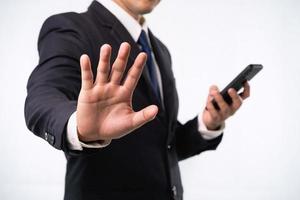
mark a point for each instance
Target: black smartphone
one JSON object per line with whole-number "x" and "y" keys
{"x": 246, "y": 75}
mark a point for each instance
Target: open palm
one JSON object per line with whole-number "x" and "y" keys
{"x": 104, "y": 109}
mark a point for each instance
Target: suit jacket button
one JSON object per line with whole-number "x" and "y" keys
{"x": 51, "y": 139}
{"x": 174, "y": 190}
{"x": 46, "y": 136}
{"x": 169, "y": 147}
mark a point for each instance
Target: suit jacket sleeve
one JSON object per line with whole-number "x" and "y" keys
{"x": 189, "y": 141}
{"x": 54, "y": 85}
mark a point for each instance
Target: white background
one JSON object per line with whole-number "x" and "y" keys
{"x": 211, "y": 41}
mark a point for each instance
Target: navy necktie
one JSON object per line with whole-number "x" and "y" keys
{"x": 143, "y": 41}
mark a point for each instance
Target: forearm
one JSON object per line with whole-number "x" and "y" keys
{"x": 50, "y": 101}
{"x": 47, "y": 117}
{"x": 190, "y": 142}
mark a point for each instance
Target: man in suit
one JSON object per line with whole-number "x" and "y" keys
{"x": 116, "y": 123}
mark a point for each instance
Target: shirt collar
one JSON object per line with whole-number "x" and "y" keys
{"x": 131, "y": 24}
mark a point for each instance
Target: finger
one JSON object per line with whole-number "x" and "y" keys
{"x": 212, "y": 110}
{"x": 135, "y": 72}
{"x": 104, "y": 64}
{"x": 224, "y": 107}
{"x": 236, "y": 100}
{"x": 120, "y": 63}
{"x": 213, "y": 88}
{"x": 86, "y": 72}
{"x": 214, "y": 92}
{"x": 143, "y": 116}
{"x": 246, "y": 92}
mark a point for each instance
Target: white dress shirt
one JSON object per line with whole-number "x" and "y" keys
{"x": 134, "y": 29}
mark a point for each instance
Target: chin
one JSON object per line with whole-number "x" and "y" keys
{"x": 146, "y": 11}
{"x": 146, "y": 6}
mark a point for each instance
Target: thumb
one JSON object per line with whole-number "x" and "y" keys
{"x": 143, "y": 116}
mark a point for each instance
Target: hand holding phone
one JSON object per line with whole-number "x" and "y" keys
{"x": 246, "y": 75}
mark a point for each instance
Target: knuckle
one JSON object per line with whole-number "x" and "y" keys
{"x": 223, "y": 114}
{"x": 233, "y": 110}
{"x": 117, "y": 68}
{"x": 224, "y": 111}
{"x": 215, "y": 117}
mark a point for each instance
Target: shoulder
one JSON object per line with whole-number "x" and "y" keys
{"x": 63, "y": 21}
{"x": 63, "y": 34}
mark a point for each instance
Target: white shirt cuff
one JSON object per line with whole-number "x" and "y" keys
{"x": 208, "y": 134}
{"x": 72, "y": 137}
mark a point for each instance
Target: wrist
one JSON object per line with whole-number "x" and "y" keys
{"x": 86, "y": 139}
{"x": 210, "y": 123}
{"x": 213, "y": 127}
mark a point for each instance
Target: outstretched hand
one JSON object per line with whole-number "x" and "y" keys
{"x": 104, "y": 109}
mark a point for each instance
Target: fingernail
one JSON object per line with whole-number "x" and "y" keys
{"x": 231, "y": 90}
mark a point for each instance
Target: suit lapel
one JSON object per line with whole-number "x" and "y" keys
{"x": 168, "y": 85}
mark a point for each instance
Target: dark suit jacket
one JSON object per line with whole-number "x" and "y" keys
{"x": 140, "y": 166}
